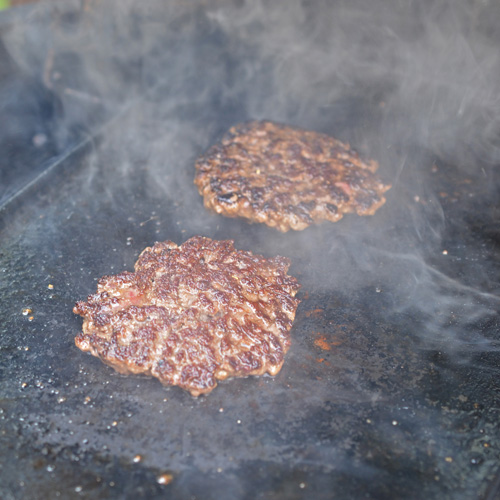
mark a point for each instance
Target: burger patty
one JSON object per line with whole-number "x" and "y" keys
{"x": 286, "y": 177}
{"x": 192, "y": 314}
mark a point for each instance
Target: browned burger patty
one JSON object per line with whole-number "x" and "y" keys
{"x": 192, "y": 314}
{"x": 286, "y": 177}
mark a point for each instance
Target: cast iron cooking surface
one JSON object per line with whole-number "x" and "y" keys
{"x": 390, "y": 388}
{"x": 367, "y": 403}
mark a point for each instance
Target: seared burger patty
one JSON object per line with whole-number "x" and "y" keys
{"x": 286, "y": 177}
{"x": 193, "y": 314}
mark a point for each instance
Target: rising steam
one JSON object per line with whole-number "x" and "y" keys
{"x": 408, "y": 83}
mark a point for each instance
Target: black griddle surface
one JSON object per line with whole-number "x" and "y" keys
{"x": 390, "y": 389}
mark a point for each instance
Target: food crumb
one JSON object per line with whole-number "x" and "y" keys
{"x": 27, "y": 311}
{"x": 221, "y": 410}
{"x": 50, "y": 287}
{"x": 164, "y": 478}
{"x": 445, "y": 252}
{"x": 137, "y": 459}
{"x": 449, "y": 459}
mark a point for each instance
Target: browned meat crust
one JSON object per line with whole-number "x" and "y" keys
{"x": 286, "y": 177}
{"x": 193, "y": 314}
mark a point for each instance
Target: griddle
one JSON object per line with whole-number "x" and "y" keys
{"x": 390, "y": 388}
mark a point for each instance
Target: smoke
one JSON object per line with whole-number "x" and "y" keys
{"x": 412, "y": 84}
{"x": 433, "y": 67}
